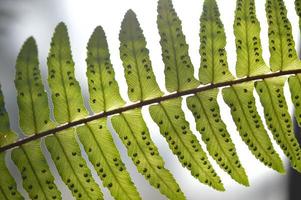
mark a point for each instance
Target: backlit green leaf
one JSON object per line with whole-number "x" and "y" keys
{"x": 174, "y": 127}
{"x": 249, "y": 125}
{"x": 278, "y": 118}
{"x": 178, "y": 67}
{"x": 214, "y": 133}
{"x": 133, "y": 132}
{"x": 138, "y": 71}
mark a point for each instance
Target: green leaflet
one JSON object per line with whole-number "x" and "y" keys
{"x": 68, "y": 106}
{"x": 37, "y": 179}
{"x": 174, "y": 127}
{"x": 295, "y": 88}
{"x": 8, "y": 187}
{"x": 104, "y": 156}
{"x": 138, "y": 71}
{"x": 214, "y": 133}
{"x": 32, "y": 98}
{"x": 247, "y": 39}
{"x": 282, "y": 46}
{"x": 103, "y": 88}
{"x": 65, "y": 90}
{"x": 6, "y": 135}
{"x": 178, "y": 67}
{"x": 34, "y": 117}
{"x": 248, "y": 122}
{"x": 71, "y": 166}
{"x": 214, "y": 66}
{"x": 278, "y": 119}
{"x": 95, "y": 136}
{"x": 133, "y": 132}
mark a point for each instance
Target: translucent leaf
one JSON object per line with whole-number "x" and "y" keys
{"x": 214, "y": 133}
{"x": 214, "y": 65}
{"x": 178, "y": 67}
{"x": 32, "y": 98}
{"x": 104, "y": 156}
{"x": 133, "y": 132}
{"x": 278, "y": 119}
{"x": 103, "y": 88}
{"x": 8, "y": 187}
{"x": 298, "y": 10}
{"x": 65, "y": 90}
{"x": 138, "y": 71}
{"x": 249, "y": 125}
{"x": 247, "y": 39}
{"x": 281, "y": 42}
{"x": 6, "y": 135}
{"x": 36, "y": 176}
{"x": 174, "y": 127}
{"x": 71, "y": 166}
{"x": 295, "y": 88}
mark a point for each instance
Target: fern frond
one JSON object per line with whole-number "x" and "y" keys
{"x": 71, "y": 166}
{"x": 8, "y": 187}
{"x": 95, "y": 136}
{"x": 243, "y": 109}
{"x": 68, "y": 106}
{"x": 37, "y": 178}
{"x": 32, "y": 97}
{"x": 32, "y": 101}
{"x": 247, "y": 39}
{"x": 214, "y": 133}
{"x": 103, "y": 88}
{"x": 295, "y": 88}
{"x": 278, "y": 118}
{"x": 214, "y": 65}
{"x": 173, "y": 126}
{"x": 281, "y": 42}
{"x": 135, "y": 136}
{"x": 65, "y": 90}
{"x": 178, "y": 67}
{"x": 104, "y": 156}
{"x": 6, "y": 135}
{"x": 138, "y": 71}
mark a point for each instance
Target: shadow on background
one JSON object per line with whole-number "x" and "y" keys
{"x": 294, "y": 182}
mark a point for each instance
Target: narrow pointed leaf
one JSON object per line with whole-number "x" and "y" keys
{"x": 71, "y": 166}
{"x": 34, "y": 117}
{"x": 8, "y": 187}
{"x": 104, "y": 156}
{"x": 65, "y": 90}
{"x": 281, "y": 42}
{"x": 103, "y": 88}
{"x": 214, "y": 133}
{"x": 178, "y": 67}
{"x": 6, "y": 135}
{"x": 295, "y": 88}
{"x": 95, "y": 136}
{"x": 278, "y": 118}
{"x": 214, "y": 65}
{"x": 138, "y": 71}
{"x": 247, "y": 39}
{"x": 133, "y": 132}
{"x": 249, "y": 125}
{"x": 173, "y": 126}
{"x": 37, "y": 179}
{"x": 68, "y": 106}
{"x": 32, "y": 98}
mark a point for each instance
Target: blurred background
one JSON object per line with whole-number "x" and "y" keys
{"x": 20, "y": 19}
